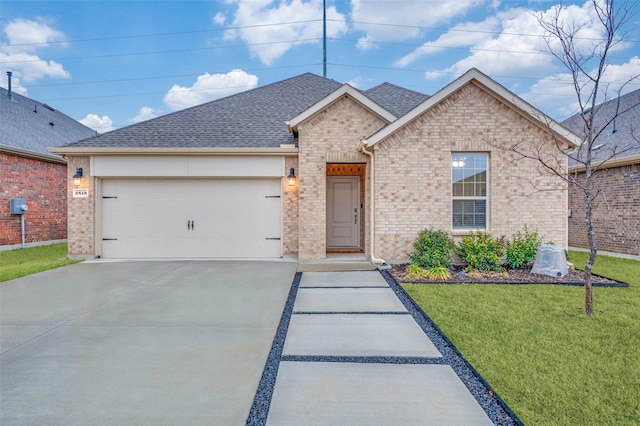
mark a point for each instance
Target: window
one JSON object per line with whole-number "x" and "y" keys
{"x": 469, "y": 190}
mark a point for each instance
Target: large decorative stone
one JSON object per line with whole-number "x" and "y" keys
{"x": 550, "y": 260}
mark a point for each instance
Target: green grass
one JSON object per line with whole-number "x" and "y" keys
{"x": 22, "y": 262}
{"x": 550, "y": 363}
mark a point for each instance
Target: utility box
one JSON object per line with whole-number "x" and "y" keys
{"x": 18, "y": 206}
{"x": 550, "y": 260}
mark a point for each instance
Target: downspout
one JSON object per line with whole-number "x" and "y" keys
{"x": 362, "y": 147}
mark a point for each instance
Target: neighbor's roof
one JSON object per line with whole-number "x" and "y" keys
{"x": 253, "y": 119}
{"x": 620, "y": 146}
{"x": 29, "y": 127}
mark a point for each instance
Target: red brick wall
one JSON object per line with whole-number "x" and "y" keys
{"x": 44, "y": 187}
{"x": 616, "y": 217}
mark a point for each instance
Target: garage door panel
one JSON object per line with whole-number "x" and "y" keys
{"x": 224, "y": 218}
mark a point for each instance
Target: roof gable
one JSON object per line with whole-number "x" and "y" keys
{"x": 496, "y": 89}
{"x": 344, "y": 90}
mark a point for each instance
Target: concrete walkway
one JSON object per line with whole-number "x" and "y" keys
{"x": 353, "y": 354}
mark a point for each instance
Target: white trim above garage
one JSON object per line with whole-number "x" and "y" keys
{"x": 187, "y": 166}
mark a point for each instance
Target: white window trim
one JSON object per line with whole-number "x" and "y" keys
{"x": 486, "y": 198}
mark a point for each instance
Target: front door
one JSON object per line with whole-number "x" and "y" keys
{"x": 343, "y": 212}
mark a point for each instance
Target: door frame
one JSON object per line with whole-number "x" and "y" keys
{"x": 355, "y": 179}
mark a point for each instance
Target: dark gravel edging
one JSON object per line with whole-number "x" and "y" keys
{"x": 489, "y": 400}
{"x": 261, "y": 402}
{"x": 492, "y": 404}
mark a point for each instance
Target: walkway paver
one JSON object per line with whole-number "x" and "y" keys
{"x": 354, "y": 355}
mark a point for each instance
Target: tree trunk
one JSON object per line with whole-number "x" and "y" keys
{"x": 593, "y": 247}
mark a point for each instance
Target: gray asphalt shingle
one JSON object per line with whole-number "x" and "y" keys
{"x": 625, "y": 141}
{"x": 252, "y": 119}
{"x": 29, "y": 125}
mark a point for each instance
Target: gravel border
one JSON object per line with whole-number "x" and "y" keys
{"x": 489, "y": 400}
{"x": 493, "y": 405}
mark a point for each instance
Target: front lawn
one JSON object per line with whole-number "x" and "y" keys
{"x": 533, "y": 344}
{"x": 22, "y": 262}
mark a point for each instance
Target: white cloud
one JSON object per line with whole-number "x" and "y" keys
{"x": 209, "y": 87}
{"x": 31, "y": 34}
{"x": 511, "y": 42}
{"x": 410, "y": 14}
{"x": 219, "y": 19}
{"x": 145, "y": 113}
{"x": 99, "y": 124}
{"x": 557, "y": 92}
{"x": 24, "y": 38}
{"x": 270, "y": 42}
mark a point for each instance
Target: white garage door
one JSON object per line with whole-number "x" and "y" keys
{"x": 191, "y": 218}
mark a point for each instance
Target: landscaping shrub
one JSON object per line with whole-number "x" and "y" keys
{"x": 415, "y": 271}
{"x": 522, "y": 248}
{"x": 482, "y": 252}
{"x": 439, "y": 273}
{"x": 432, "y": 249}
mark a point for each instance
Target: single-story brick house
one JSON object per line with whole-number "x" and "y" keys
{"x": 370, "y": 170}
{"x": 616, "y": 216}
{"x": 29, "y": 171}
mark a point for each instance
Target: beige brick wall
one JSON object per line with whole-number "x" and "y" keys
{"x": 331, "y": 136}
{"x": 81, "y": 212}
{"x": 413, "y": 173}
{"x": 290, "y": 209}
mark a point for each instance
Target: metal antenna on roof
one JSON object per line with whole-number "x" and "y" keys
{"x": 324, "y": 38}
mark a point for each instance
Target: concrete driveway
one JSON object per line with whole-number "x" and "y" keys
{"x": 172, "y": 342}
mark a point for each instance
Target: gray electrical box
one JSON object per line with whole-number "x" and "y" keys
{"x": 18, "y": 206}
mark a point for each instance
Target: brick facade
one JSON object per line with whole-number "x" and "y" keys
{"x": 413, "y": 173}
{"x": 290, "y": 209}
{"x": 43, "y": 185}
{"x": 81, "y": 211}
{"x": 331, "y": 136}
{"x": 616, "y": 217}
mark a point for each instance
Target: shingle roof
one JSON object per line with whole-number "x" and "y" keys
{"x": 625, "y": 141}
{"x": 28, "y": 125}
{"x": 252, "y": 119}
{"x": 395, "y": 99}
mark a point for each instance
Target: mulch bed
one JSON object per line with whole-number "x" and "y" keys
{"x": 575, "y": 277}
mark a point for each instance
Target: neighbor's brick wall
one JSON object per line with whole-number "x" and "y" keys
{"x": 290, "y": 209}
{"x": 81, "y": 210}
{"x": 616, "y": 217}
{"x": 413, "y": 173}
{"x": 43, "y": 185}
{"x": 332, "y": 136}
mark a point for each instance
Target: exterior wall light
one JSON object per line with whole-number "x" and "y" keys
{"x": 292, "y": 177}
{"x": 77, "y": 178}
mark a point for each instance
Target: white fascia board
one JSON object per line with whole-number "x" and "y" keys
{"x": 500, "y": 91}
{"x": 343, "y": 90}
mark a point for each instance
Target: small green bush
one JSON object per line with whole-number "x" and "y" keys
{"x": 482, "y": 252}
{"x": 432, "y": 249}
{"x": 522, "y": 248}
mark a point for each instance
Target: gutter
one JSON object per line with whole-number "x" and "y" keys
{"x": 362, "y": 147}
{"x": 289, "y": 150}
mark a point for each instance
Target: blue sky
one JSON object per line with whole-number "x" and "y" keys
{"x": 113, "y": 63}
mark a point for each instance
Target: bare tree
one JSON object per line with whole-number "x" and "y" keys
{"x": 586, "y": 60}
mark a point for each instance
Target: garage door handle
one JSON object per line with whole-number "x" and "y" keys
{"x": 191, "y": 224}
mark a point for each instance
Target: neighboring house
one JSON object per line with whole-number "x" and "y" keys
{"x": 372, "y": 169}
{"x": 29, "y": 171}
{"x": 616, "y": 152}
